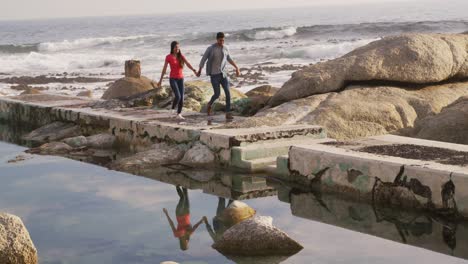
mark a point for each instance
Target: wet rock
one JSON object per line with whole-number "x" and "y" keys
{"x": 17, "y": 159}
{"x": 128, "y": 86}
{"x": 53, "y": 132}
{"x": 20, "y": 87}
{"x": 412, "y": 58}
{"x": 43, "y": 79}
{"x": 52, "y": 148}
{"x": 30, "y": 90}
{"x": 198, "y": 155}
{"x": 237, "y": 212}
{"x": 16, "y": 246}
{"x": 101, "y": 141}
{"x": 159, "y": 154}
{"x": 256, "y": 237}
{"x": 76, "y": 142}
{"x": 86, "y": 93}
{"x": 24, "y": 87}
{"x": 450, "y": 125}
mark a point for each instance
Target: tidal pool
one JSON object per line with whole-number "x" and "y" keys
{"x": 82, "y": 213}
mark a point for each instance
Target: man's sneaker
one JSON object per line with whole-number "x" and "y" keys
{"x": 208, "y": 110}
{"x": 229, "y": 116}
{"x": 180, "y": 117}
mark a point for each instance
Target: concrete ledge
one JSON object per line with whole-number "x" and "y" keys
{"x": 227, "y": 138}
{"x": 424, "y": 184}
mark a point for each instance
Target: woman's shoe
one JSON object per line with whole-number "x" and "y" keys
{"x": 229, "y": 116}
{"x": 180, "y": 117}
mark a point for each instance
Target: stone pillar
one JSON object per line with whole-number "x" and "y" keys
{"x": 132, "y": 69}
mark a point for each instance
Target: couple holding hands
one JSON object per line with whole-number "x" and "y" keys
{"x": 216, "y": 58}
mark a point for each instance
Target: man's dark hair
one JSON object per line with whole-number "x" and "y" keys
{"x": 220, "y": 35}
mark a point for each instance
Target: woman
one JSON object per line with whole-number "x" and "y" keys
{"x": 177, "y": 62}
{"x": 184, "y": 228}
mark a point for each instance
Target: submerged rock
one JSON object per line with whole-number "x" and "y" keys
{"x": 16, "y": 246}
{"x": 412, "y": 58}
{"x": 76, "y": 142}
{"x": 256, "y": 237}
{"x": 101, "y": 141}
{"x": 52, "y": 148}
{"x": 53, "y": 132}
{"x": 198, "y": 155}
{"x": 159, "y": 154}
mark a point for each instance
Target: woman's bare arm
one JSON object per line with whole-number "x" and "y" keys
{"x": 190, "y": 65}
{"x": 199, "y": 223}
{"x": 169, "y": 220}
{"x": 163, "y": 73}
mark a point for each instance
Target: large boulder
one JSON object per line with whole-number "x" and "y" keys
{"x": 199, "y": 155}
{"x": 128, "y": 86}
{"x": 450, "y": 125}
{"x": 412, "y": 58}
{"x": 362, "y": 110}
{"x": 159, "y": 154}
{"x": 16, "y": 246}
{"x": 257, "y": 99}
{"x": 256, "y": 237}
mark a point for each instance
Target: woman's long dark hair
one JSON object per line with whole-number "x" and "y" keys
{"x": 178, "y": 55}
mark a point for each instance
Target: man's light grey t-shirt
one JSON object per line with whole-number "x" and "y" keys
{"x": 217, "y": 60}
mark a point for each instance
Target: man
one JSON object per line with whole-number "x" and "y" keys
{"x": 218, "y": 56}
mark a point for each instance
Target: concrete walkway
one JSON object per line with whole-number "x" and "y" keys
{"x": 144, "y": 126}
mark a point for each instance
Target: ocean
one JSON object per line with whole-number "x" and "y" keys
{"x": 267, "y": 44}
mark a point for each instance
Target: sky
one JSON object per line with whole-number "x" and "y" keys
{"x": 32, "y": 9}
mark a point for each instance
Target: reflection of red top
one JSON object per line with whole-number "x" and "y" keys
{"x": 183, "y": 223}
{"x": 176, "y": 70}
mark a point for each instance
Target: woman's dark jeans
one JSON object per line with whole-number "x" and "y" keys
{"x": 178, "y": 88}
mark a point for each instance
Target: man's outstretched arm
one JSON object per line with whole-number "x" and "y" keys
{"x": 231, "y": 61}
{"x": 203, "y": 60}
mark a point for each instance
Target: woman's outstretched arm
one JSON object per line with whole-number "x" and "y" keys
{"x": 163, "y": 73}
{"x": 170, "y": 220}
{"x": 189, "y": 65}
{"x": 204, "y": 219}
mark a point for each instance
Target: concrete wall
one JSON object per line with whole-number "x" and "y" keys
{"x": 386, "y": 180}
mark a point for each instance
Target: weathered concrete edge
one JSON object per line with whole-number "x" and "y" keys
{"x": 340, "y": 170}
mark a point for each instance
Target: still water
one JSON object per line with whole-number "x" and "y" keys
{"x": 82, "y": 213}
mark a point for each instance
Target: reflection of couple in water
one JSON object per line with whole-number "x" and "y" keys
{"x": 184, "y": 227}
